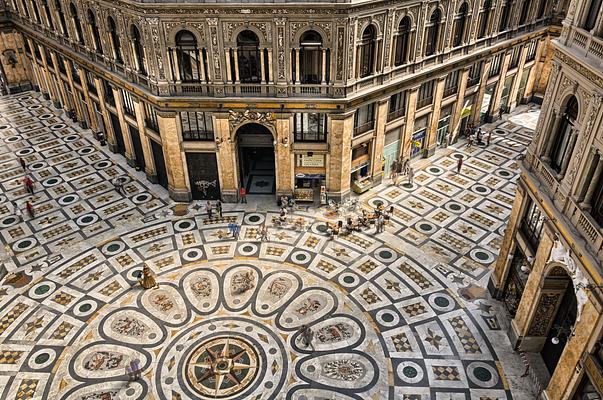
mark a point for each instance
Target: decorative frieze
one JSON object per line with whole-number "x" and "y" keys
{"x": 236, "y": 119}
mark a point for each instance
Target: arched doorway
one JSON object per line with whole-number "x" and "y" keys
{"x": 256, "y": 159}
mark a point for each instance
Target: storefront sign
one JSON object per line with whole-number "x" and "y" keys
{"x": 313, "y": 161}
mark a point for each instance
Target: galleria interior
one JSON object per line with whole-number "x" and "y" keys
{"x": 322, "y": 102}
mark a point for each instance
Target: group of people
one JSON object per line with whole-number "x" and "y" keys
{"x": 209, "y": 209}
{"x": 379, "y": 218}
{"x": 29, "y": 186}
{"x": 472, "y": 132}
{"x": 402, "y": 168}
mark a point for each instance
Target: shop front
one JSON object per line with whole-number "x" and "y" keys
{"x": 465, "y": 114}
{"x": 419, "y": 137}
{"x": 361, "y": 180}
{"x": 203, "y": 176}
{"x": 444, "y": 126}
{"x": 485, "y": 111}
{"x": 310, "y": 176}
{"x": 522, "y": 84}
{"x": 504, "y": 99}
{"x": 390, "y": 150}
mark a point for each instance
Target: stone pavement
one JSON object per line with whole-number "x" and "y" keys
{"x": 397, "y": 315}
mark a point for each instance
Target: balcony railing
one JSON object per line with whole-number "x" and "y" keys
{"x": 359, "y": 130}
{"x": 396, "y": 114}
{"x": 587, "y": 44}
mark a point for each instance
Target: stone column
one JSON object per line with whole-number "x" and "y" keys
{"x": 229, "y": 77}
{"x": 523, "y": 333}
{"x": 236, "y": 64}
{"x": 432, "y": 134}
{"x": 518, "y": 78}
{"x": 74, "y": 93}
{"x": 202, "y": 72}
{"x": 176, "y": 66}
{"x": 125, "y": 130}
{"x": 568, "y": 153}
{"x": 503, "y": 262}
{"x": 226, "y": 158}
{"x": 262, "y": 66}
{"x": 174, "y": 157}
{"x": 340, "y": 158}
{"x": 592, "y": 184}
{"x": 89, "y": 109}
{"x": 297, "y": 71}
{"x": 379, "y": 141}
{"x": 51, "y": 90}
{"x": 270, "y": 79}
{"x": 500, "y": 86}
{"x": 109, "y": 134}
{"x": 411, "y": 107}
{"x": 147, "y": 151}
{"x": 283, "y": 158}
{"x": 324, "y": 66}
{"x": 548, "y": 144}
{"x": 455, "y": 119}
{"x": 483, "y": 83}
{"x": 60, "y": 87}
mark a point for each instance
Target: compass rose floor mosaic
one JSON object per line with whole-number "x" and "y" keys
{"x": 401, "y": 314}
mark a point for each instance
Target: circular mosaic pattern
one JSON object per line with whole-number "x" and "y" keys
{"x": 435, "y": 170}
{"x": 377, "y": 201}
{"x": 481, "y": 189}
{"x": 501, "y": 132}
{"x": 426, "y": 227}
{"x": 319, "y": 228}
{"x": 85, "y": 308}
{"x": 16, "y": 138}
{"x": 141, "y": 198}
{"x": 56, "y": 127}
{"x": 184, "y": 225}
{"x": 192, "y": 255}
{"x": 68, "y": 199}
{"x": 410, "y": 372}
{"x": 86, "y": 219}
{"x": 103, "y": 164}
{"x": 8, "y": 221}
{"x": 3, "y": 127}
{"x": 24, "y": 244}
{"x": 301, "y": 257}
{"x": 387, "y": 318}
{"x": 42, "y": 359}
{"x": 503, "y": 173}
{"x": 25, "y": 152}
{"x": 222, "y": 367}
{"x": 248, "y": 249}
{"x": 481, "y": 256}
{"x": 482, "y": 374}
{"x": 408, "y": 187}
{"x": 455, "y": 207}
{"x": 86, "y": 150}
{"x": 254, "y": 219}
{"x": 441, "y": 302}
{"x": 456, "y": 155}
{"x": 55, "y": 180}
{"x": 45, "y": 116}
{"x": 348, "y": 280}
{"x": 113, "y": 248}
{"x": 42, "y": 290}
{"x": 385, "y": 255}
{"x": 37, "y": 165}
{"x": 71, "y": 138}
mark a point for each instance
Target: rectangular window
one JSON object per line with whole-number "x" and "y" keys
{"x": 495, "y": 65}
{"x": 425, "y": 97}
{"x": 364, "y": 119}
{"x": 150, "y": 117}
{"x": 475, "y": 73}
{"x": 128, "y": 103}
{"x": 108, "y": 93}
{"x": 310, "y": 127}
{"x": 90, "y": 82}
{"x": 61, "y": 64}
{"x": 515, "y": 57}
{"x": 452, "y": 83}
{"x": 397, "y": 106}
{"x": 75, "y": 73}
{"x": 196, "y": 126}
{"x": 531, "y": 53}
{"x": 532, "y": 224}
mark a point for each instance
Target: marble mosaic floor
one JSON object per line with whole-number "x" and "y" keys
{"x": 397, "y": 315}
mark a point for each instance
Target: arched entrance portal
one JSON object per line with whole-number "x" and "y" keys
{"x": 256, "y": 159}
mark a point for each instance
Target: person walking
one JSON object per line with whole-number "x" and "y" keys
{"x": 488, "y": 139}
{"x": 264, "y": 234}
{"x": 243, "y": 195}
{"x": 379, "y": 224}
{"x": 501, "y": 111}
{"x": 469, "y": 141}
{"x": 236, "y": 231}
{"x": 29, "y": 185}
{"x": 394, "y": 171}
{"x": 219, "y": 208}
{"x": 459, "y": 165}
{"x": 208, "y": 209}
{"x": 18, "y": 211}
{"x": 30, "y": 209}
{"x": 23, "y": 164}
{"x": 411, "y": 175}
{"x": 118, "y": 184}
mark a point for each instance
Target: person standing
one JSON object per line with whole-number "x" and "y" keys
{"x": 208, "y": 209}
{"x": 23, "y": 164}
{"x": 30, "y": 209}
{"x": 236, "y": 230}
{"x": 411, "y": 175}
{"x": 29, "y": 184}
{"x": 488, "y": 139}
{"x": 459, "y": 165}
{"x": 18, "y": 211}
{"x": 243, "y": 195}
{"x": 501, "y": 111}
{"x": 219, "y": 208}
{"x": 264, "y": 234}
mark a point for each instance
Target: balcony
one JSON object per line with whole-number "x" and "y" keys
{"x": 585, "y": 44}
{"x": 396, "y": 114}
{"x": 359, "y": 130}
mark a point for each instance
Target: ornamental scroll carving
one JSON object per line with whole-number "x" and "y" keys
{"x": 351, "y": 50}
{"x": 236, "y": 119}
{"x": 363, "y": 22}
{"x": 154, "y": 26}
{"x": 388, "y": 38}
{"x": 230, "y": 27}
{"x": 215, "y": 48}
{"x": 199, "y": 27}
{"x": 280, "y": 47}
{"x": 591, "y": 76}
{"x": 296, "y": 26}
{"x": 340, "y": 52}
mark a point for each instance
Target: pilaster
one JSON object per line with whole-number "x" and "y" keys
{"x": 435, "y": 116}
{"x": 518, "y": 77}
{"x": 411, "y": 108}
{"x": 74, "y": 93}
{"x": 125, "y": 129}
{"x": 147, "y": 151}
{"x": 228, "y": 171}
{"x": 174, "y": 157}
{"x": 284, "y": 158}
{"x": 339, "y": 159}
{"x": 458, "y": 106}
{"x": 483, "y": 82}
{"x": 379, "y": 141}
{"x": 109, "y": 134}
{"x": 500, "y": 86}
{"x": 60, "y": 87}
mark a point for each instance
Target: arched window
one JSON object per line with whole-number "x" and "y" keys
{"x": 187, "y": 55}
{"x": 248, "y": 53}
{"x": 484, "y": 16}
{"x": 402, "y": 42}
{"x": 95, "y": 34}
{"x": 138, "y": 50}
{"x": 525, "y": 8}
{"x": 504, "y": 16}
{"x": 367, "y": 51}
{"x": 76, "y": 23}
{"x": 562, "y": 137}
{"x": 592, "y": 14}
{"x": 433, "y": 33}
{"x": 311, "y": 60}
{"x": 460, "y": 23}
{"x": 59, "y": 8}
{"x": 47, "y": 14}
{"x": 115, "y": 41}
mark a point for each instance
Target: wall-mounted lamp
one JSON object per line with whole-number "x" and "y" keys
{"x": 285, "y": 141}
{"x": 219, "y": 142}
